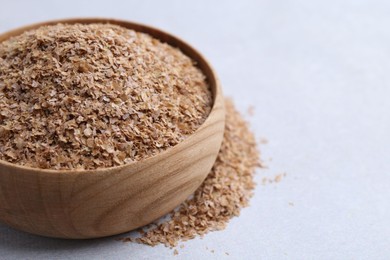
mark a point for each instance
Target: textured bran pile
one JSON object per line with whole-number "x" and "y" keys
{"x": 94, "y": 96}
{"x": 226, "y": 190}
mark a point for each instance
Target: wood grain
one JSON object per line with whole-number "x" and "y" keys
{"x": 104, "y": 202}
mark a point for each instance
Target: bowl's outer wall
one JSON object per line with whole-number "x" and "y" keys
{"x": 104, "y": 202}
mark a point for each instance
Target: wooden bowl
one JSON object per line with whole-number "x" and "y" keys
{"x": 95, "y": 203}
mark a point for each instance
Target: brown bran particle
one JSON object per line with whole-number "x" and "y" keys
{"x": 95, "y": 96}
{"x": 251, "y": 110}
{"x": 278, "y": 178}
{"x": 226, "y": 190}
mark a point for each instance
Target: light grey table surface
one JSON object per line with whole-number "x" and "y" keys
{"x": 318, "y": 74}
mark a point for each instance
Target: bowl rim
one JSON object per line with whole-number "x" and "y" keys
{"x": 170, "y": 39}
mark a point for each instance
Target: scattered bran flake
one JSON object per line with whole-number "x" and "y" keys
{"x": 278, "y": 178}
{"x": 175, "y": 252}
{"x": 95, "y": 96}
{"x": 251, "y": 110}
{"x": 212, "y": 251}
{"x": 263, "y": 141}
{"x": 226, "y": 253}
{"x": 181, "y": 246}
{"x": 226, "y": 190}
